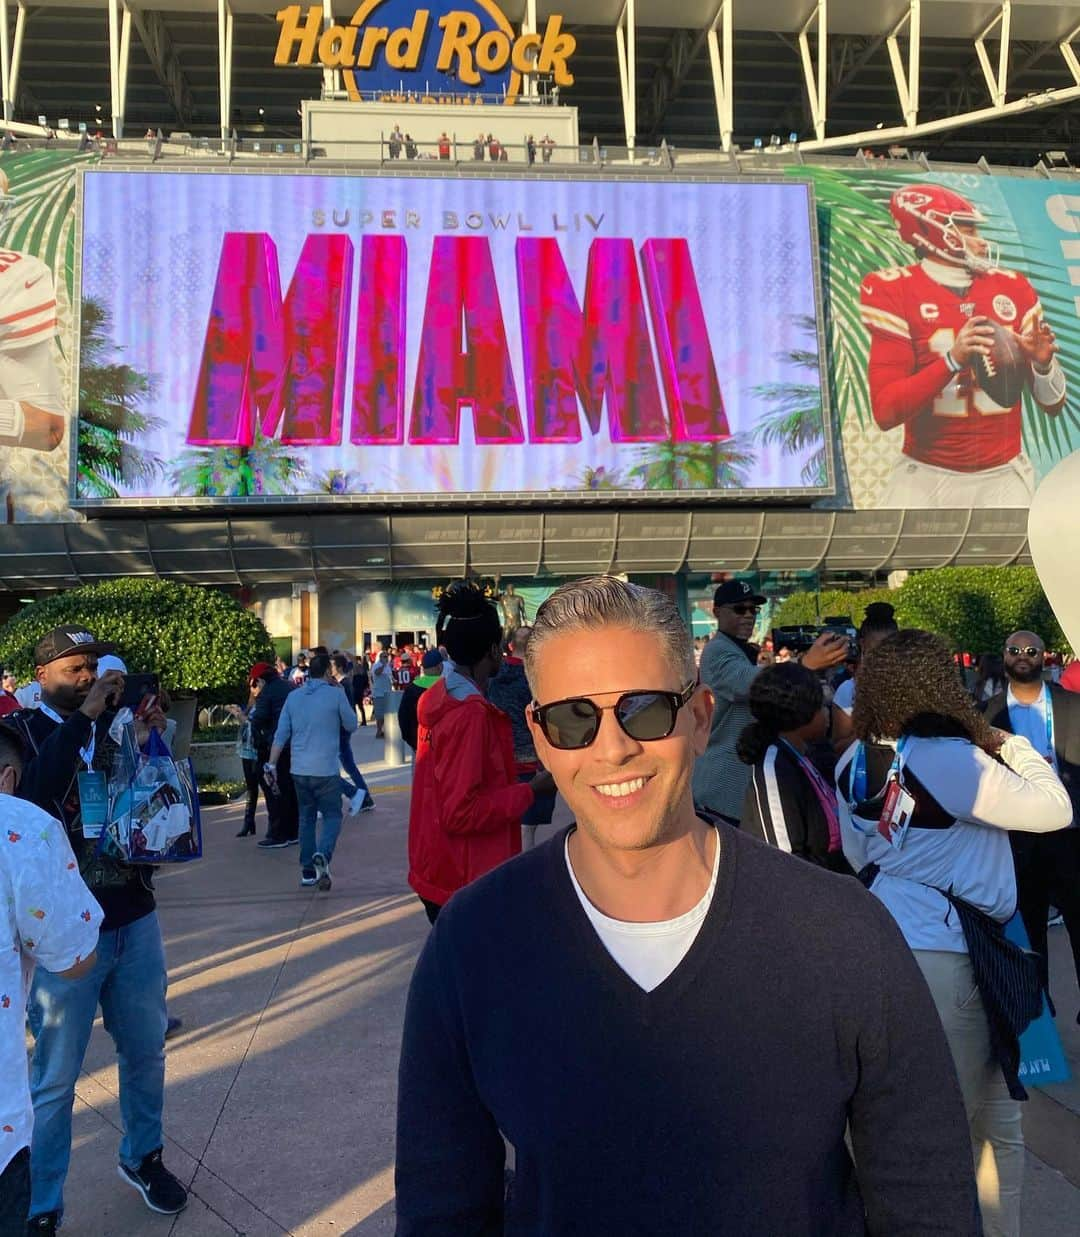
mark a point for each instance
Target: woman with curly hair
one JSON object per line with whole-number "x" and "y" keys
{"x": 789, "y": 803}
{"x": 467, "y": 804}
{"x": 928, "y": 794}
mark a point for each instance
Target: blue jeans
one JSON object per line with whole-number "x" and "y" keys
{"x": 129, "y": 982}
{"x": 318, "y": 796}
{"x": 355, "y": 780}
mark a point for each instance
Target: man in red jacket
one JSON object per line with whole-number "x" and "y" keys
{"x": 467, "y": 804}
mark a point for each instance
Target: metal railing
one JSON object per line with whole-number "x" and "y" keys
{"x": 459, "y": 154}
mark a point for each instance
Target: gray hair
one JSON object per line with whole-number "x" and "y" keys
{"x": 607, "y": 601}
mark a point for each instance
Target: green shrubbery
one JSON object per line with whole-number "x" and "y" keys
{"x": 194, "y": 639}
{"x": 974, "y": 608}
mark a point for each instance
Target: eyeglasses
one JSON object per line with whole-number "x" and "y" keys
{"x": 745, "y": 609}
{"x": 1028, "y": 650}
{"x": 570, "y": 725}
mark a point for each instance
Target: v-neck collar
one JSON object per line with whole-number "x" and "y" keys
{"x": 581, "y": 939}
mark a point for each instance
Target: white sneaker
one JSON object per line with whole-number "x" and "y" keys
{"x": 357, "y": 802}
{"x": 322, "y": 871}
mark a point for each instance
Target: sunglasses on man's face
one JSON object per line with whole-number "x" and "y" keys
{"x": 744, "y": 610}
{"x": 1029, "y": 650}
{"x": 572, "y": 724}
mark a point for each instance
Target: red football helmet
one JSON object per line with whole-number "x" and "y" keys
{"x": 933, "y": 219}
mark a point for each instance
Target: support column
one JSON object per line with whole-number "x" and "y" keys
{"x": 626, "y": 45}
{"x": 722, "y": 62}
{"x": 907, "y": 81}
{"x": 331, "y": 77}
{"x": 225, "y": 57}
{"x": 528, "y": 26}
{"x": 816, "y": 82}
{"x": 5, "y": 63}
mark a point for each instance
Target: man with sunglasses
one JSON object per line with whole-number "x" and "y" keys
{"x": 728, "y": 667}
{"x": 714, "y": 1014}
{"x": 1047, "y": 865}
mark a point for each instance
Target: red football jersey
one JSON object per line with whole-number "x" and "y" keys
{"x": 913, "y": 320}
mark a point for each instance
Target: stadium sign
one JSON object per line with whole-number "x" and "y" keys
{"x": 470, "y": 47}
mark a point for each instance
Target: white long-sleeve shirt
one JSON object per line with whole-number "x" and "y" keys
{"x": 973, "y": 858}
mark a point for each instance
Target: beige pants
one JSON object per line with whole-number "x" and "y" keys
{"x": 997, "y": 1134}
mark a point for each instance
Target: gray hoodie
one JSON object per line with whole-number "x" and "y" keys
{"x": 312, "y": 721}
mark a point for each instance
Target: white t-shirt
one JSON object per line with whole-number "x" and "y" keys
{"x": 47, "y": 916}
{"x": 648, "y": 952}
{"x": 844, "y": 696}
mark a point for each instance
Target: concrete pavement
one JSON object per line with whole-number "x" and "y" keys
{"x": 281, "y": 1086}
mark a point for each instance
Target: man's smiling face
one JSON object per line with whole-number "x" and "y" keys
{"x": 625, "y": 793}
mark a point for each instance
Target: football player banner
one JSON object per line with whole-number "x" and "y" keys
{"x": 37, "y": 318}
{"x": 954, "y": 333}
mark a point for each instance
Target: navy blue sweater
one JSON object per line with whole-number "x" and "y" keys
{"x": 716, "y": 1104}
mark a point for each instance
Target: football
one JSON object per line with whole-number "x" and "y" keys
{"x": 1005, "y": 372}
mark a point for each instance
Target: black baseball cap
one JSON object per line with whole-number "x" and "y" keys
{"x": 736, "y": 592}
{"x": 64, "y": 641}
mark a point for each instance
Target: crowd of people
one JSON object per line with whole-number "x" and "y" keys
{"x": 805, "y": 864}
{"x": 484, "y": 146}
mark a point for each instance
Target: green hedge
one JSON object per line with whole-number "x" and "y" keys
{"x": 974, "y": 608}
{"x": 811, "y": 608}
{"x": 196, "y": 639}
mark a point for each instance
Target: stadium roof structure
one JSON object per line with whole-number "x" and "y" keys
{"x": 326, "y": 548}
{"x": 958, "y": 78}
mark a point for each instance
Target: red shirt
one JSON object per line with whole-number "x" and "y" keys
{"x": 8, "y": 703}
{"x": 913, "y": 320}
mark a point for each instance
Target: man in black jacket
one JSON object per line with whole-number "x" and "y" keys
{"x": 1047, "y": 864}
{"x": 283, "y": 827}
{"x": 72, "y": 754}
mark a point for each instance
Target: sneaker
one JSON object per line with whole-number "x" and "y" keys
{"x": 368, "y": 805}
{"x": 1054, "y": 918}
{"x": 308, "y": 877}
{"x": 322, "y": 870}
{"x": 271, "y": 844}
{"x": 293, "y": 842}
{"x": 45, "y": 1223}
{"x": 160, "y": 1189}
{"x": 173, "y": 1027}
{"x": 356, "y": 803}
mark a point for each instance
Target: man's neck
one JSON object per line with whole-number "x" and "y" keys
{"x": 58, "y": 709}
{"x": 1026, "y": 693}
{"x": 646, "y": 886}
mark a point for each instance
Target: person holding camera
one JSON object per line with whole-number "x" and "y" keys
{"x": 728, "y": 667}
{"x": 66, "y": 774}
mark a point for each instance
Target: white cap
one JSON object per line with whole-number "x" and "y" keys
{"x": 109, "y": 661}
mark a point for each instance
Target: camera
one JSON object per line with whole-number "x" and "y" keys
{"x": 800, "y": 638}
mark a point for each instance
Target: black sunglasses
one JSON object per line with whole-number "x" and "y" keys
{"x": 573, "y": 724}
{"x": 745, "y": 609}
{"x": 1029, "y": 650}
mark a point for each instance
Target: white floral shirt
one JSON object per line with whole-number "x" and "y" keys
{"x": 47, "y": 916}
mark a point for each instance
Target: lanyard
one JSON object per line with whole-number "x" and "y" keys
{"x": 859, "y": 776}
{"x": 826, "y": 795}
{"x": 1048, "y": 718}
{"x": 87, "y": 752}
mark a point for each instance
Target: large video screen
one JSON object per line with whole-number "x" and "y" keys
{"x": 399, "y": 339}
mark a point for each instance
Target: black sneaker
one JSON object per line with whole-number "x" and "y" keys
{"x": 45, "y": 1223}
{"x": 271, "y": 843}
{"x": 308, "y": 877}
{"x": 160, "y": 1189}
{"x": 173, "y": 1027}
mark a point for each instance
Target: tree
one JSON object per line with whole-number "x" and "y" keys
{"x": 671, "y": 465}
{"x": 795, "y": 419}
{"x": 111, "y": 419}
{"x": 810, "y": 609}
{"x": 197, "y": 639}
{"x": 266, "y": 467}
